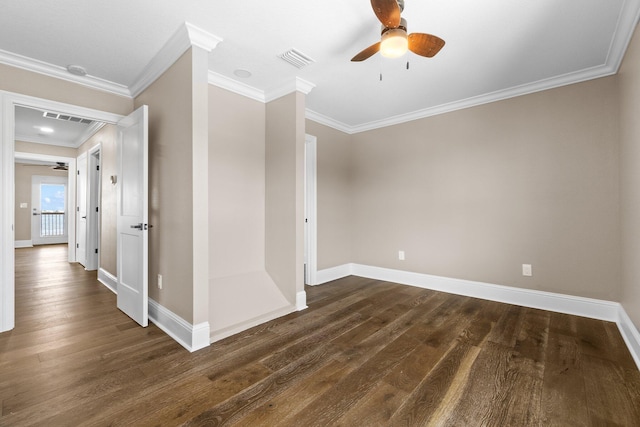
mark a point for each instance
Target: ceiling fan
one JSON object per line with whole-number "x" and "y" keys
{"x": 60, "y": 166}
{"x": 394, "y": 39}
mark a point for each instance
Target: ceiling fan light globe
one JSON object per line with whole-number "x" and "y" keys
{"x": 394, "y": 43}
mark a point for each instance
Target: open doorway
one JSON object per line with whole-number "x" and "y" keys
{"x": 34, "y": 141}
{"x": 32, "y": 172}
{"x": 46, "y": 142}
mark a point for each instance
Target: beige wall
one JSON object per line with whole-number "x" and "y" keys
{"x": 240, "y": 289}
{"x": 171, "y": 200}
{"x": 23, "y": 185}
{"x": 106, "y": 138}
{"x": 285, "y": 136}
{"x": 40, "y": 86}
{"x": 334, "y": 195}
{"x": 476, "y": 193}
{"x": 236, "y": 184}
{"x": 200, "y": 179}
{"x": 178, "y": 187}
{"x": 629, "y": 92}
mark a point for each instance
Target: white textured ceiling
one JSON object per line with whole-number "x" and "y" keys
{"x": 29, "y": 122}
{"x": 494, "y": 48}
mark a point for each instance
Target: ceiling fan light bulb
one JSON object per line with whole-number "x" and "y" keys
{"x": 394, "y": 43}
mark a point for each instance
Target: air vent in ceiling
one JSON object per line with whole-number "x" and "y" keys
{"x": 67, "y": 118}
{"x": 296, "y": 58}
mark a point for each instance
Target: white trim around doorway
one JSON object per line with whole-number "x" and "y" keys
{"x": 310, "y": 210}
{"x": 8, "y": 102}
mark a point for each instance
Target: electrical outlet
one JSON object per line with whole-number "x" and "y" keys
{"x": 526, "y": 270}
{"x": 401, "y": 255}
{"x": 159, "y": 281}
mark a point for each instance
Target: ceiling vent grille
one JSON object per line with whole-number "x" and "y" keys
{"x": 67, "y": 118}
{"x": 296, "y": 58}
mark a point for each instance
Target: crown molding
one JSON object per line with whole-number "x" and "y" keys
{"x": 224, "y": 82}
{"x": 186, "y": 36}
{"x": 235, "y": 86}
{"x": 88, "y": 133}
{"x": 58, "y": 72}
{"x": 297, "y": 84}
{"x": 328, "y": 121}
{"x": 198, "y": 37}
{"x": 627, "y": 22}
{"x": 541, "y": 85}
{"x": 304, "y": 86}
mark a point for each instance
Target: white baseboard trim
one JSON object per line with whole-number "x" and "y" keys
{"x": 50, "y": 241}
{"x": 108, "y": 279}
{"x": 234, "y": 329}
{"x": 579, "y": 306}
{"x": 333, "y": 273}
{"x": 191, "y": 337}
{"x": 587, "y": 307}
{"x": 23, "y": 244}
{"x": 630, "y": 334}
{"x": 301, "y": 300}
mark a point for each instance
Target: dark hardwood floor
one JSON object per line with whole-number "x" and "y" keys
{"x": 365, "y": 353}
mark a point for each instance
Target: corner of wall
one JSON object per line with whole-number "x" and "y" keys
{"x": 190, "y": 336}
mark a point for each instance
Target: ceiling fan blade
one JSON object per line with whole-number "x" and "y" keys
{"x": 367, "y": 53}
{"x": 387, "y": 11}
{"x": 425, "y": 44}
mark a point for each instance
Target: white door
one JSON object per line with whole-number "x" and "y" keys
{"x": 132, "y": 205}
{"x": 81, "y": 209}
{"x": 49, "y": 210}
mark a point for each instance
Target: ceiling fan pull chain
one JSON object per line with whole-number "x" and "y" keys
{"x": 407, "y": 65}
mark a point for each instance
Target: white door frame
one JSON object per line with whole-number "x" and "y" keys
{"x": 71, "y": 191}
{"x": 8, "y": 102}
{"x": 310, "y": 209}
{"x": 80, "y": 206}
{"x": 93, "y": 210}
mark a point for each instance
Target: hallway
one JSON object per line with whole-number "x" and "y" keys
{"x": 70, "y": 344}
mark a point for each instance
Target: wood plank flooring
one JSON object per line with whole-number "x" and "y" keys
{"x": 365, "y": 353}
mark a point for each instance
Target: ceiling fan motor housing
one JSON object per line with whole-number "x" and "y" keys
{"x": 402, "y": 26}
